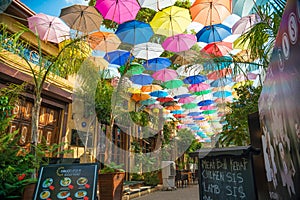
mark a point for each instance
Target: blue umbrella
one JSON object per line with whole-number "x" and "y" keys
{"x": 217, "y": 63}
{"x": 159, "y": 93}
{"x": 118, "y": 57}
{"x": 222, "y": 94}
{"x": 195, "y": 128}
{"x": 156, "y": 64}
{"x": 141, "y": 79}
{"x": 221, "y": 82}
{"x": 213, "y": 33}
{"x": 199, "y": 118}
{"x": 194, "y": 79}
{"x": 205, "y": 102}
{"x": 194, "y": 113}
{"x": 182, "y": 96}
{"x": 177, "y": 111}
{"x": 148, "y": 102}
{"x": 245, "y": 7}
{"x": 134, "y": 32}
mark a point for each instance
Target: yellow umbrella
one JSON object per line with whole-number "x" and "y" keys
{"x": 134, "y": 90}
{"x": 171, "y": 21}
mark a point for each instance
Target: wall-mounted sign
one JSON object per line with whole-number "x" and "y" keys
{"x": 67, "y": 181}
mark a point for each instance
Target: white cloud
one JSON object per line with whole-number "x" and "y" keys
{"x": 81, "y": 2}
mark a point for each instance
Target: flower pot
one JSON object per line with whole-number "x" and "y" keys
{"x": 111, "y": 185}
{"x": 28, "y": 191}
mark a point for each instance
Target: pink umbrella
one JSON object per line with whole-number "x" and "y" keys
{"x": 179, "y": 42}
{"x": 49, "y": 28}
{"x": 165, "y": 75}
{"x": 153, "y": 106}
{"x": 209, "y": 107}
{"x": 218, "y": 48}
{"x": 186, "y": 100}
{"x": 198, "y": 87}
{"x": 118, "y": 10}
{"x": 245, "y": 23}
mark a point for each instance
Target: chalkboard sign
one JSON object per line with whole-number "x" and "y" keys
{"x": 226, "y": 175}
{"x": 67, "y": 181}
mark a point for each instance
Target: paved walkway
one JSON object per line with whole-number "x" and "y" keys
{"x": 190, "y": 192}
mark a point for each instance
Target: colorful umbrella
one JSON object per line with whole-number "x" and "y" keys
{"x": 179, "y": 42}
{"x": 208, "y": 112}
{"x": 178, "y": 91}
{"x": 245, "y": 7}
{"x": 82, "y": 18}
{"x": 103, "y": 41}
{"x": 156, "y": 4}
{"x": 222, "y": 94}
{"x": 153, "y": 106}
{"x": 171, "y": 21}
{"x": 176, "y": 83}
{"x": 148, "y": 50}
{"x": 177, "y": 111}
{"x": 164, "y": 99}
{"x": 182, "y": 96}
{"x": 245, "y": 23}
{"x": 194, "y": 79}
{"x": 185, "y": 57}
{"x": 217, "y": 63}
{"x": 209, "y": 107}
{"x": 198, "y": 87}
{"x": 210, "y": 12}
{"x": 148, "y": 102}
{"x": 205, "y": 102}
{"x": 189, "y": 70}
{"x": 219, "y": 73}
{"x": 49, "y": 28}
{"x": 203, "y": 92}
{"x": 141, "y": 79}
{"x": 218, "y": 48}
{"x": 134, "y": 69}
{"x": 186, "y": 100}
{"x": 140, "y": 96}
{"x": 159, "y": 93}
{"x": 109, "y": 73}
{"x": 99, "y": 62}
{"x": 189, "y": 105}
{"x": 179, "y": 115}
{"x": 134, "y": 32}
{"x": 174, "y": 107}
{"x": 213, "y": 33}
{"x": 156, "y": 64}
{"x": 221, "y": 82}
{"x": 118, "y": 57}
{"x": 118, "y": 11}
{"x": 150, "y": 88}
{"x": 165, "y": 75}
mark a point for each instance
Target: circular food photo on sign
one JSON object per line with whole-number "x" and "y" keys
{"x": 45, "y": 194}
{"x": 47, "y": 182}
{"x": 63, "y": 194}
{"x": 82, "y": 181}
{"x": 65, "y": 181}
{"x": 80, "y": 194}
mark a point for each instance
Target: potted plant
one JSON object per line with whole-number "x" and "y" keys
{"x": 111, "y": 179}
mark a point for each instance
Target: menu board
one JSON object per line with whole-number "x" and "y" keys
{"x": 226, "y": 177}
{"x": 67, "y": 181}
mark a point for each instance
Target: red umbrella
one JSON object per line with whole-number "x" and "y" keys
{"x": 219, "y": 73}
{"x": 165, "y": 75}
{"x": 179, "y": 42}
{"x": 164, "y": 99}
{"x": 218, "y": 48}
{"x": 118, "y": 10}
{"x": 49, "y": 28}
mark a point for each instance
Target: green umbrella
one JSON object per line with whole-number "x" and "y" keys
{"x": 207, "y": 112}
{"x": 135, "y": 68}
{"x": 203, "y": 92}
{"x": 148, "y": 102}
{"x": 176, "y": 83}
{"x": 189, "y": 105}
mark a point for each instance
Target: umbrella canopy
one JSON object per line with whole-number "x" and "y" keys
{"x": 164, "y": 99}
{"x": 109, "y": 73}
{"x": 210, "y": 12}
{"x": 134, "y": 69}
{"x": 156, "y": 4}
{"x": 153, "y": 106}
{"x": 222, "y": 94}
{"x": 213, "y": 33}
{"x": 221, "y": 82}
{"x": 178, "y": 91}
{"x": 184, "y": 57}
{"x": 148, "y": 101}
{"x": 189, "y": 105}
{"x": 219, "y": 73}
{"x": 49, "y": 28}
{"x": 179, "y": 42}
{"x": 176, "y": 83}
{"x": 174, "y": 107}
{"x": 209, "y": 107}
{"x": 171, "y": 21}
{"x": 118, "y": 57}
{"x": 245, "y": 23}
{"x": 141, "y": 79}
{"x": 148, "y": 50}
{"x": 140, "y": 96}
{"x": 182, "y": 95}
{"x": 99, "y": 62}
{"x": 189, "y": 70}
{"x": 208, "y": 112}
{"x": 159, "y": 93}
{"x": 82, "y": 18}
{"x": 103, "y": 41}
{"x": 205, "y": 102}
{"x": 134, "y": 32}
{"x": 198, "y": 87}
{"x": 194, "y": 79}
{"x": 217, "y": 48}
{"x": 245, "y": 7}
{"x": 186, "y": 100}
{"x": 217, "y": 63}
{"x": 150, "y": 88}
{"x": 156, "y": 64}
{"x": 118, "y": 11}
{"x": 165, "y": 75}
{"x": 203, "y": 92}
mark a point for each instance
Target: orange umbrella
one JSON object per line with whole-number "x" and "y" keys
{"x": 104, "y": 41}
{"x": 208, "y": 12}
{"x": 140, "y": 96}
{"x": 150, "y": 88}
{"x": 174, "y": 107}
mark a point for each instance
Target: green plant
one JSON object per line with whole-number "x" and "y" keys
{"x": 151, "y": 178}
{"x": 111, "y": 168}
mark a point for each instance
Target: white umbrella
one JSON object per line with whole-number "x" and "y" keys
{"x": 187, "y": 70}
{"x": 147, "y": 50}
{"x": 156, "y": 4}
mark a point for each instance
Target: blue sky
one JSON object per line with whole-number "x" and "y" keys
{"x": 51, "y": 7}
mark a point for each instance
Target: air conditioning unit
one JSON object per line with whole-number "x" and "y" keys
{"x": 168, "y": 174}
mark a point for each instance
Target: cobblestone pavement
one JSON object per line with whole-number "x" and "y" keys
{"x": 190, "y": 192}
